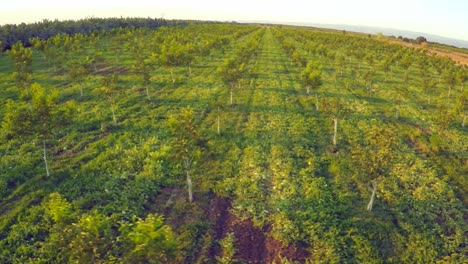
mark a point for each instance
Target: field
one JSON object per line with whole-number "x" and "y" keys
{"x": 231, "y": 143}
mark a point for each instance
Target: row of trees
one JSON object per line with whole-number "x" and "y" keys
{"x": 379, "y": 197}
{"x": 234, "y": 68}
{"x": 10, "y": 34}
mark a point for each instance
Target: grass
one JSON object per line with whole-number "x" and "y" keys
{"x": 274, "y": 148}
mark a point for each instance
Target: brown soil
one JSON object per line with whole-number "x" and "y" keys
{"x": 252, "y": 244}
{"x": 105, "y": 69}
{"x": 457, "y": 57}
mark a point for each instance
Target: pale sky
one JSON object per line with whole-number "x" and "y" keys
{"x": 447, "y": 18}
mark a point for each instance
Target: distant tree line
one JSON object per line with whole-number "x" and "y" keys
{"x": 12, "y": 33}
{"x": 418, "y": 40}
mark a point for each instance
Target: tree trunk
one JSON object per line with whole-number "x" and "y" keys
{"x": 81, "y": 90}
{"x": 335, "y": 123}
{"x": 44, "y": 156}
{"x": 172, "y": 76}
{"x": 308, "y": 89}
{"x": 463, "y": 122}
{"x": 316, "y": 102}
{"x": 231, "y": 92}
{"x": 189, "y": 180}
{"x": 113, "y": 114}
{"x": 147, "y": 91}
{"x": 397, "y": 113}
{"x": 371, "y": 202}
{"x": 219, "y": 130}
{"x": 449, "y": 91}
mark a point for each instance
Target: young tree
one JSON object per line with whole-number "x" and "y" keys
{"x": 185, "y": 138}
{"x": 228, "y": 249}
{"x": 109, "y": 88}
{"x": 22, "y": 59}
{"x": 219, "y": 107}
{"x": 462, "y": 107}
{"x": 385, "y": 65}
{"x": 406, "y": 62}
{"x": 299, "y": 58}
{"x": 428, "y": 85}
{"x": 341, "y": 62}
{"x": 373, "y": 156}
{"x": 148, "y": 240}
{"x": 174, "y": 54}
{"x": 312, "y": 78}
{"x": 144, "y": 68}
{"x": 462, "y": 77}
{"x": 231, "y": 72}
{"x": 370, "y": 60}
{"x": 40, "y": 121}
{"x": 78, "y": 69}
{"x": 368, "y": 77}
{"x": 450, "y": 80}
{"x": 336, "y": 109}
{"x": 144, "y": 63}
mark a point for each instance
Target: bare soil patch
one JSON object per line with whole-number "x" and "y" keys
{"x": 457, "y": 57}
{"x": 253, "y": 245}
{"x": 105, "y": 69}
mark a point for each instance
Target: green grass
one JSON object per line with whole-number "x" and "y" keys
{"x": 274, "y": 159}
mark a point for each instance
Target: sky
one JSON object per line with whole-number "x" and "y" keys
{"x": 448, "y": 18}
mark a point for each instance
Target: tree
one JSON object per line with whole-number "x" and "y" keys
{"x": 450, "y": 80}
{"x": 174, "y": 54}
{"x": 22, "y": 59}
{"x": 373, "y": 156}
{"x": 368, "y": 77}
{"x": 370, "y": 60}
{"x": 385, "y": 65}
{"x": 228, "y": 249}
{"x": 462, "y": 107}
{"x": 144, "y": 62}
{"x": 341, "y": 62}
{"x": 336, "y": 109}
{"x": 219, "y": 107}
{"x": 109, "y": 88}
{"x": 144, "y": 68}
{"x": 428, "y": 84}
{"x": 406, "y": 62}
{"x": 90, "y": 239}
{"x": 420, "y": 40}
{"x": 462, "y": 77}
{"x": 78, "y": 70}
{"x": 299, "y": 58}
{"x": 312, "y": 78}
{"x": 185, "y": 139}
{"x": 40, "y": 120}
{"x": 149, "y": 240}
{"x": 231, "y": 73}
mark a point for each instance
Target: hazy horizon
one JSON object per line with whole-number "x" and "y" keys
{"x": 444, "y": 19}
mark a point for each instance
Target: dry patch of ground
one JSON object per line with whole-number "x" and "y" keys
{"x": 457, "y": 57}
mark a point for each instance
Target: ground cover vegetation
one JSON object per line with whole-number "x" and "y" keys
{"x": 230, "y": 143}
